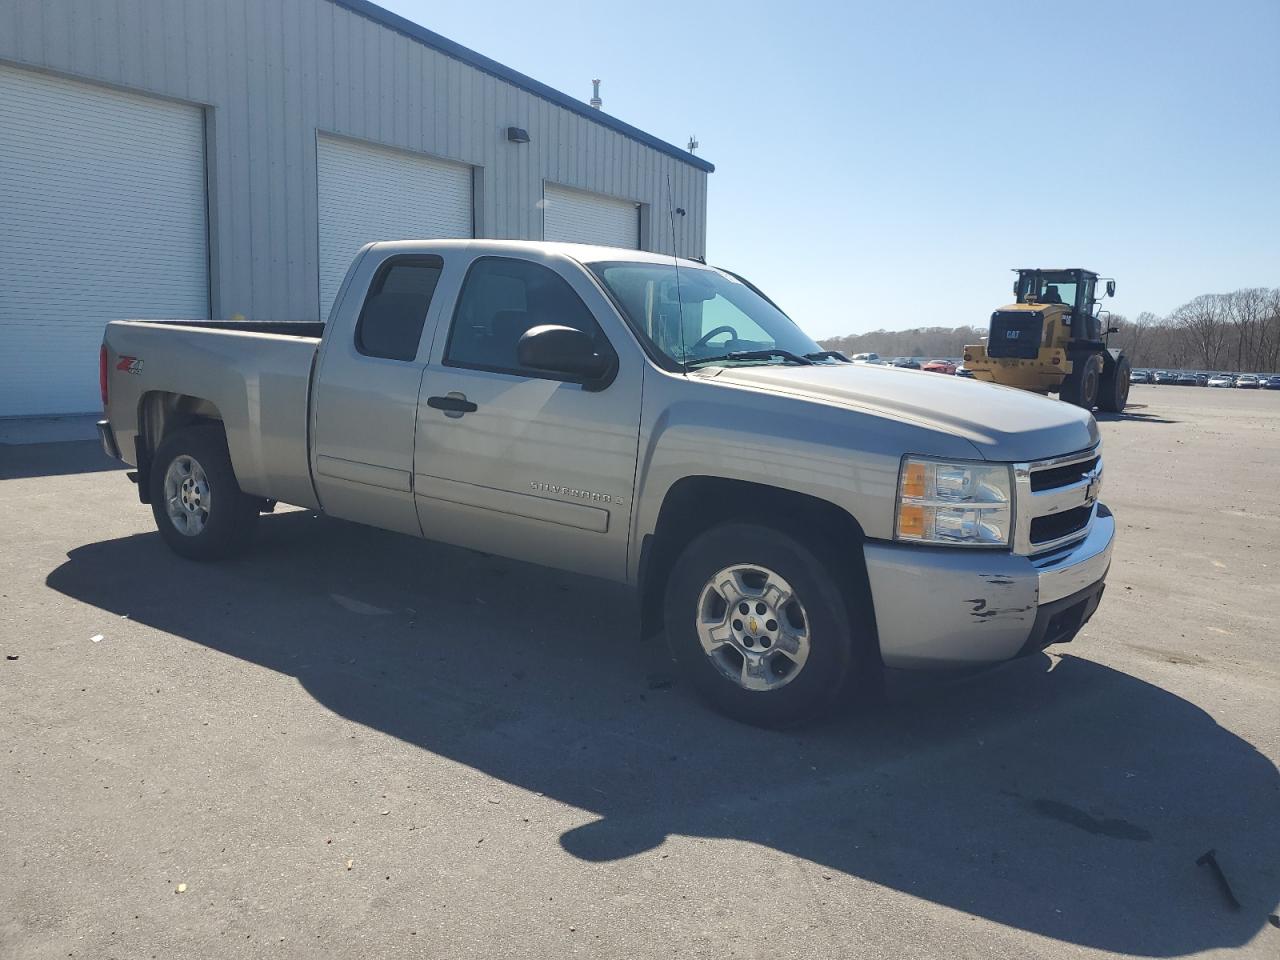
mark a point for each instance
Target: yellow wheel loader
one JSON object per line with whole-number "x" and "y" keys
{"x": 1052, "y": 340}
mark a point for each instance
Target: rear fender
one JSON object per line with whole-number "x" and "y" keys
{"x": 161, "y": 413}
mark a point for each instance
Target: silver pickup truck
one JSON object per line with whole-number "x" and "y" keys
{"x": 795, "y": 523}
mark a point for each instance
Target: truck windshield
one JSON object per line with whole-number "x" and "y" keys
{"x": 706, "y": 316}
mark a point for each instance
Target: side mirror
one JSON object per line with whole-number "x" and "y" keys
{"x": 695, "y": 292}
{"x": 1111, "y": 288}
{"x": 565, "y": 351}
{"x": 1113, "y": 329}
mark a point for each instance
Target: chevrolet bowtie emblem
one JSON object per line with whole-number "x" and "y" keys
{"x": 1091, "y": 491}
{"x": 755, "y": 627}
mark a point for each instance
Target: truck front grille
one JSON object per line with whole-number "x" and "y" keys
{"x": 1052, "y": 477}
{"x": 1059, "y": 525}
{"x": 1056, "y": 501}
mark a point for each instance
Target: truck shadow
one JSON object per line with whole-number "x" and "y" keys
{"x": 1133, "y": 413}
{"x": 20, "y": 461}
{"x": 1071, "y": 803}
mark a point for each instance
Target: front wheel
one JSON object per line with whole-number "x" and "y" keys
{"x": 199, "y": 508}
{"x": 759, "y": 627}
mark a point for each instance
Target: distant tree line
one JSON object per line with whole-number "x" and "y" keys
{"x": 1238, "y": 331}
{"x": 921, "y": 342}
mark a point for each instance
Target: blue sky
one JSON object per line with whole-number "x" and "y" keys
{"x": 884, "y": 165}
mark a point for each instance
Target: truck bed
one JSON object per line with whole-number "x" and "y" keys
{"x": 255, "y": 376}
{"x": 309, "y": 329}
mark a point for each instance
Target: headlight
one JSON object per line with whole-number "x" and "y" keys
{"x": 954, "y": 503}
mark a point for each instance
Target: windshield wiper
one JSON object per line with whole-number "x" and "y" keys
{"x": 752, "y": 355}
{"x": 829, "y": 355}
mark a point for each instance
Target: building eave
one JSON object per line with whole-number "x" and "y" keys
{"x": 429, "y": 38}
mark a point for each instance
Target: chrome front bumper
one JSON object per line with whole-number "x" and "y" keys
{"x": 946, "y": 607}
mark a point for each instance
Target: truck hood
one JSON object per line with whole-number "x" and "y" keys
{"x": 1001, "y": 422}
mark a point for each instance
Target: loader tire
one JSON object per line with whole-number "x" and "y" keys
{"x": 1082, "y": 384}
{"x": 1115, "y": 387}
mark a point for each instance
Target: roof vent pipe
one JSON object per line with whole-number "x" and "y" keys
{"x": 595, "y": 95}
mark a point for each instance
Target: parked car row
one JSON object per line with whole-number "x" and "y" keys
{"x": 1241, "y": 381}
{"x": 1182, "y": 378}
{"x": 1185, "y": 378}
{"x": 906, "y": 363}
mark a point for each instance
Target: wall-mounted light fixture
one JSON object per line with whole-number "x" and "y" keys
{"x": 517, "y": 135}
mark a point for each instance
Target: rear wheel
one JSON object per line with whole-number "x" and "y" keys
{"x": 759, "y": 627}
{"x": 1082, "y": 384}
{"x": 198, "y": 506}
{"x": 1114, "y": 393}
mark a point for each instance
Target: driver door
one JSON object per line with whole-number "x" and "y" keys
{"x": 515, "y": 461}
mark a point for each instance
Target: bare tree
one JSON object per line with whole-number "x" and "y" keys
{"x": 1137, "y": 333}
{"x": 1204, "y": 322}
{"x": 1246, "y": 310}
{"x": 1269, "y": 333}
{"x": 1177, "y": 345}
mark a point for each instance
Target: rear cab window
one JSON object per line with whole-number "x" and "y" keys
{"x": 395, "y": 309}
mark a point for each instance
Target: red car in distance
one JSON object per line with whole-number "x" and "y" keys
{"x": 940, "y": 366}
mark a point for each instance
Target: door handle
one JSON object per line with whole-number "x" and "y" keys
{"x": 452, "y": 403}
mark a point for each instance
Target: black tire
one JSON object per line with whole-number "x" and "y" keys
{"x": 838, "y": 649}
{"x": 1082, "y": 384}
{"x": 1114, "y": 392}
{"x": 226, "y": 527}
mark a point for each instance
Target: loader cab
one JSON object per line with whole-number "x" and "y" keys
{"x": 1075, "y": 289}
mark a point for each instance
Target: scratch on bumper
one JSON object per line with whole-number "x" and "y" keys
{"x": 984, "y": 612}
{"x": 940, "y": 607}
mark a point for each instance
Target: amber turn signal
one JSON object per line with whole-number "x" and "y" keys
{"x": 913, "y": 480}
{"x": 910, "y": 521}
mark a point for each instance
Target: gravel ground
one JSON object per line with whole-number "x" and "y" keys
{"x": 351, "y": 743}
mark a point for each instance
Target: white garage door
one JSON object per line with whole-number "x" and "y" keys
{"x": 579, "y": 217}
{"x": 368, "y": 193}
{"x": 102, "y": 217}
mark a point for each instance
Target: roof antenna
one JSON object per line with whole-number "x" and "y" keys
{"x": 693, "y": 143}
{"x": 596, "y": 102}
{"x": 672, "y": 210}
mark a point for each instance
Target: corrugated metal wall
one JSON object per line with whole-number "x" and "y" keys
{"x": 276, "y": 71}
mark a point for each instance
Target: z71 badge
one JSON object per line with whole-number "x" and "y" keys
{"x": 129, "y": 365}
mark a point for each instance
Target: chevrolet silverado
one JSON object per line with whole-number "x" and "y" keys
{"x": 794, "y": 522}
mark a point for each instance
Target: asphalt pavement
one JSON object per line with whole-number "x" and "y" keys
{"x": 354, "y": 744}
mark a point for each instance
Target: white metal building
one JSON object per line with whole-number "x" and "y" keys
{"x": 225, "y": 158}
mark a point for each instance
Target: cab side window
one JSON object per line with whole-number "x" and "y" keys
{"x": 391, "y": 320}
{"x": 501, "y": 299}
